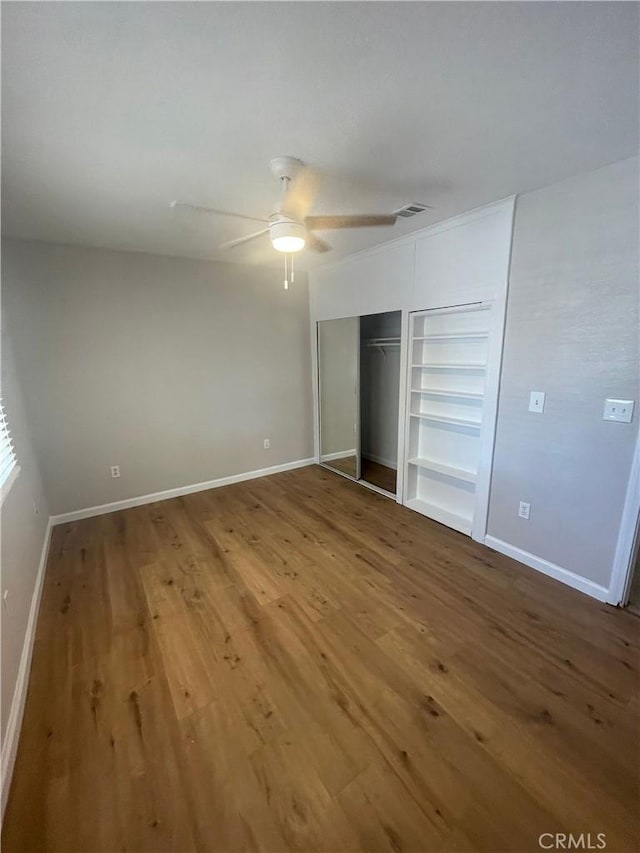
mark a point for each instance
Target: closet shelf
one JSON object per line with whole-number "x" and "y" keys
{"x": 458, "y": 336}
{"x": 462, "y": 523}
{"x": 441, "y": 468}
{"x": 381, "y": 343}
{"x": 438, "y": 366}
{"x": 445, "y": 419}
{"x": 449, "y": 392}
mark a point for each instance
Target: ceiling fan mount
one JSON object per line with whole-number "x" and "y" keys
{"x": 290, "y": 227}
{"x": 285, "y": 167}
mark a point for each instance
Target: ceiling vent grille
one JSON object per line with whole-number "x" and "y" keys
{"x": 411, "y": 209}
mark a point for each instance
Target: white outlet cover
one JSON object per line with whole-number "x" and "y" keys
{"x": 536, "y": 401}
{"x": 618, "y": 410}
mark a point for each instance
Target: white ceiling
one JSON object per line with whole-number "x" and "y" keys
{"x": 111, "y": 110}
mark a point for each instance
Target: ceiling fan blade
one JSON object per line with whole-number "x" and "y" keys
{"x": 316, "y": 244}
{"x": 214, "y": 210}
{"x": 240, "y": 240}
{"x": 301, "y": 194}
{"x": 323, "y": 223}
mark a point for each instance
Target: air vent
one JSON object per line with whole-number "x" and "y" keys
{"x": 411, "y": 209}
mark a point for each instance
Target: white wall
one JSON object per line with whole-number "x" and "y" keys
{"x": 174, "y": 369}
{"x": 22, "y": 539}
{"x": 572, "y": 332}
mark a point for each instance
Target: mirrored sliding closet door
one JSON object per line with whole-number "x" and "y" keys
{"x": 338, "y": 382}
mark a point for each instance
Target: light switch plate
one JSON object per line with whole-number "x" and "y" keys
{"x": 618, "y": 410}
{"x": 536, "y": 402}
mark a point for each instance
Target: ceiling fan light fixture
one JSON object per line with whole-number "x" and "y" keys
{"x": 287, "y": 236}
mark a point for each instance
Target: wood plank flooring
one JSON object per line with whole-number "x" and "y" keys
{"x": 298, "y": 664}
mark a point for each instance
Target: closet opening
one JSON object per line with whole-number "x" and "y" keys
{"x": 359, "y": 390}
{"x": 379, "y": 395}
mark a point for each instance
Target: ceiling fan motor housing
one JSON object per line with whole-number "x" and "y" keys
{"x": 287, "y": 235}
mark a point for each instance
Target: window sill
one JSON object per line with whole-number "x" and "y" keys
{"x": 6, "y": 486}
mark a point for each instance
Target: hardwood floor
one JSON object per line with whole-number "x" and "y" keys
{"x": 297, "y": 663}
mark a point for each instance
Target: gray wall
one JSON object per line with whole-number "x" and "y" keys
{"x": 174, "y": 369}
{"x": 572, "y": 331}
{"x": 22, "y": 534}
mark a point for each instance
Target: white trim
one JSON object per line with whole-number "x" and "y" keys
{"x": 388, "y": 463}
{"x": 103, "y": 509}
{"x": 625, "y": 548}
{"x": 315, "y": 376}
{"x": 16, "y": 712}
{"x": 551, "y": 569}
{"x": 341, "y": 454}
{"x": 497, "y": 320}
{"x": 491, "y": 401}
{"x": 405, "y": 319}
{"x": 6, "y": 486}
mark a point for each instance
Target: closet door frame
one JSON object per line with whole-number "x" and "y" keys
{"x": 358, "y": 423}
{"x": 497, "y": 312}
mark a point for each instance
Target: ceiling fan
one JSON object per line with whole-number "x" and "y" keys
{"x": 290, "y": 227}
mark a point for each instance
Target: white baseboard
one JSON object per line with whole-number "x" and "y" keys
{"x": 551, "y": 569}
{"x": 103, "y": 509}
{"x": 16, "y": 712}
{"x": 341, "y": 454}
{"x": 388, "y": 463}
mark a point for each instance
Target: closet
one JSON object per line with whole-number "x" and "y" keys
{"x": 359, "y": 389}
{"x": 442, "y": 291}
{"x": 379, "y": 394}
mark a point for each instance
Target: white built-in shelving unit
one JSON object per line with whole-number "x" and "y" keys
{"x": 448, "y": 359}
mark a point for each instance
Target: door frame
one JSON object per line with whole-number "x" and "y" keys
{"x": 628, "y": 537}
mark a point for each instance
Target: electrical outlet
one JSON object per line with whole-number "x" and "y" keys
{"x": 536, "y": 401}
{"x": 267, "y": 444}
{"x": 115, "y": 470}
{"x": 524, "y": 510}
{"x": 5, "y": 596}
{"x": 618, "y": 410}
{"x": 36, "y": 509}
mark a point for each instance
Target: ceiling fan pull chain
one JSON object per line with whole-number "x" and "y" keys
{"x": 286, "y": 281}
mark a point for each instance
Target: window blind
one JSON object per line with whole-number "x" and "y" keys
{"x": 7, "y": 453}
